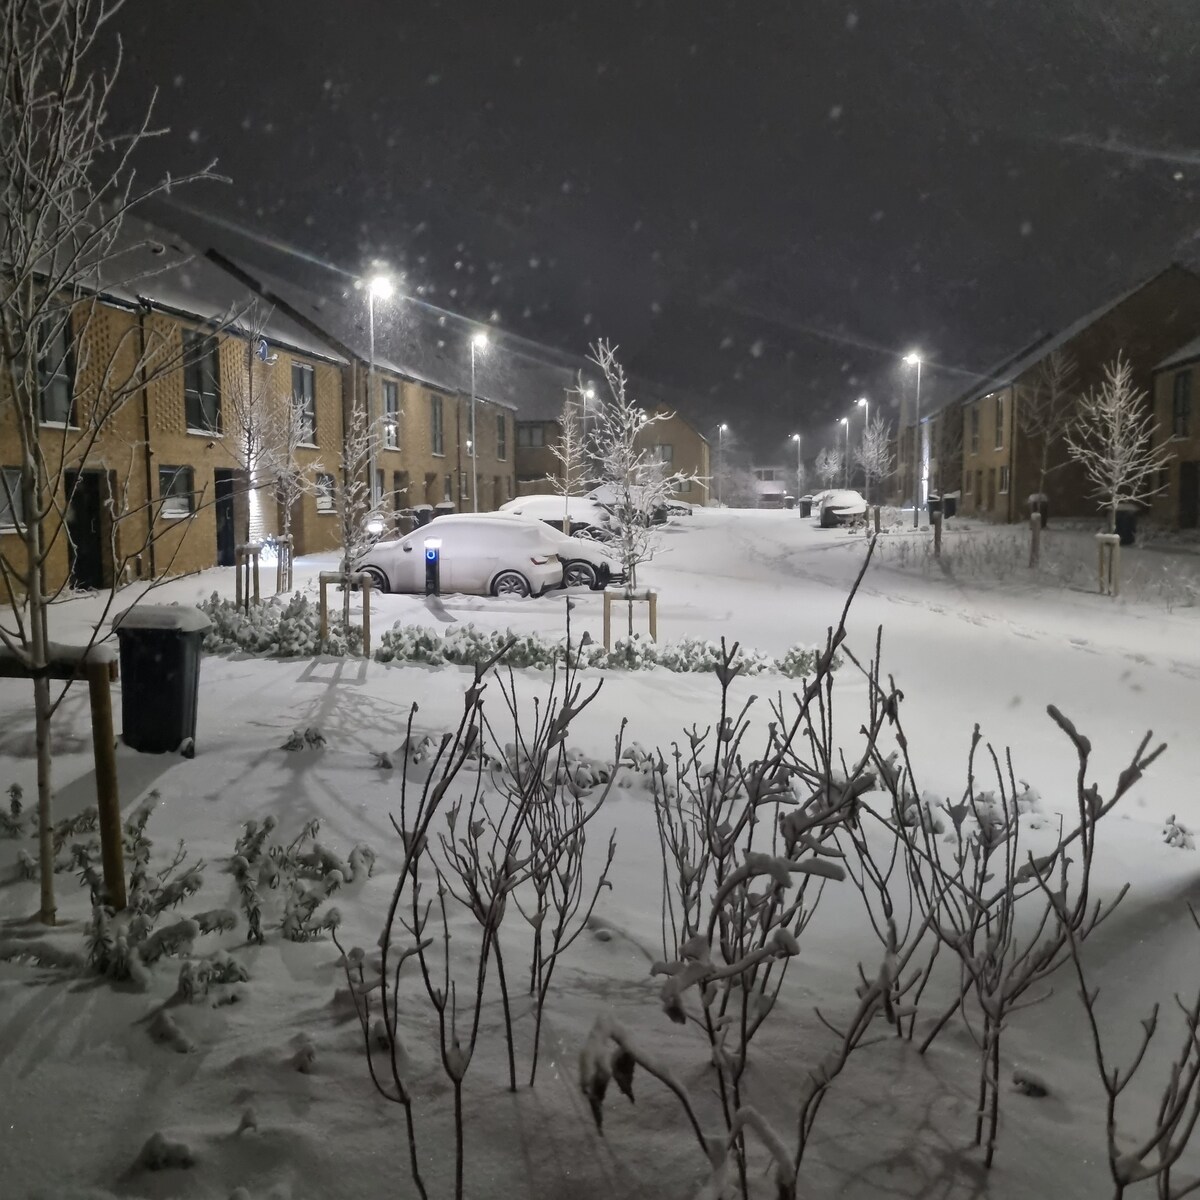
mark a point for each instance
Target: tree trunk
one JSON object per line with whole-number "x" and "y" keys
{"x": 41, "y": 713}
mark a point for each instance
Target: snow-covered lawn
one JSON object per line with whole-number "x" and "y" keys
{"x": 83, "y": 1084}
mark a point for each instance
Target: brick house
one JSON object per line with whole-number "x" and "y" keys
{"x": 1000, "y": 466}
{"x": 1176, "y": 379}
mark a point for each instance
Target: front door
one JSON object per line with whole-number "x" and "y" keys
{"x": 85, "y": 533}
{"x": 1189, "y": 494}
{"x": 223, "y": 502}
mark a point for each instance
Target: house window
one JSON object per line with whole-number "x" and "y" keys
{"x": 979, "y": 486}
{"x": 501, "y": 438}
{"x": 974, "y": 428}
{"x": 448, "y": 488}
{"x": 175, "y": 492}
{"x": 304, "y": 396}
{"x": 664, "y": 452}
{"x": 1181, "y": 405}
{"x": 531, "y": 436}
{"x": 437, "y": 431}
{"x": 391, "y": 413}
{"x": 399, "y": 489}
{"x": 56, "y": 375}
{"x": 201, "y": 382}
{"x": 377, "y": 498}
{"x": 12, "y": 511}
{"x": 991, "y": 496}
{"x": 684, "y": 485}
{"x": 999, "y": 422}
{"x": 1004, "y": 481}
{"x": 967, "y": 483}
{"x": 325, "y": 493}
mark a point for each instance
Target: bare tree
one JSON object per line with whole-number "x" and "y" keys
{"x": 570, "y": 454}
{"x": 1112, "y": 438}
{"x": 66, "y": 188}
{"x": 874, "y": 454}
{"x": 829, "y": 466}
{"x": 357, "y": 505}
{"x": 945, "y": 450}
{"x": 732, "y": 477}
{"x": 1046, "y": 410}
{"x": 636, "y": 482}
{"x": 288, "y": 427}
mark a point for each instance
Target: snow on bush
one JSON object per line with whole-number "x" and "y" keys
{"x": 279, "y": 629}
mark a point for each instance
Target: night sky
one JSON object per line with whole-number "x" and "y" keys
{"x": 763, "y": 203}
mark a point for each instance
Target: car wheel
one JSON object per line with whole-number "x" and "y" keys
{"x": 579, "y": 574}
{"x": 510, "y": 583}
{"x": 379, "y": 581}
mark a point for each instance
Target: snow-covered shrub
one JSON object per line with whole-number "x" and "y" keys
{"x": 1177, "y": 834}
{"x": 12, "y": 822}
{"x": 276, "y": 628}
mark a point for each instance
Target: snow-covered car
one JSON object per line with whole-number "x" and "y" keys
{"x": 585, "y": 515}
{"x": 585, "y": 562}
{"x": 840, "y": 507}
{"x": 656, "y": 510}
{"x": 479, "y": 556}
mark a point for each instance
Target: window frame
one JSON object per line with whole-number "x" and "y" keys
{"x": 391, "y": 414}
{"x": 447, "y": 488}
{"x": 667, "y": 458}
{"x": 437, "y": 427}
{"x": 325, "y": 493}
{"x": 1181, "y": 404}
{"x": 201, "y": 357}
{"x": 975, "y": 428}
{"x": 999, "y": 422}
{"x": 502, "y": 438}
{"x": 307, "y": 394}
{"x": 167, "y": 497}
{"x": 12, "y": 508}
{"x": 63, "y": 372}
{"x": 1003, "y": 480}
{"x": 525, "y": 435}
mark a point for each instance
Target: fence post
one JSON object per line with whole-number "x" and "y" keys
{"x": 1035, "y": 539}
{"x": 607, "y": 621}
{"x": 653, "y": 597}
{"x": 364, "y": 582}
{"x": 937, "y": 535}
{"x": 108, "y": 802}
{"x": 323, "y": 633}
{"x": 877, "y": 518}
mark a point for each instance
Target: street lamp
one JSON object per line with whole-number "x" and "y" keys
{"x": 799, "y": 462}
{"x": 479, "y": 343}
{"x": 379, "y": 287}
{"x": 845, "y": 423}
{"x": 913, "y": 359}
{"x": 864, "y": 404}
{"x": 720, "y": 459}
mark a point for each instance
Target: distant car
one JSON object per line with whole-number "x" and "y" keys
{"x": 479, "y": 556}
{"x": 839, "y": 507}
{"x": 584, "y": 514}
{"x": 584, "y": 560}
{"x": 656, "y": 512}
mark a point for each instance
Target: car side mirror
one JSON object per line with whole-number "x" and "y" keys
{"x": 408, "y": 549}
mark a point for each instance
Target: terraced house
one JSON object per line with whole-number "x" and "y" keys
{"x": 1176, "y": 392}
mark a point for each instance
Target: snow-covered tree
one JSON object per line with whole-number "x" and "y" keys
{"x": 570, "y": 452}
{"x": 1046, "y": 410}
{"x": 1112, "y": 438}
{"x": 829, "y": 466}
{"x": 287, "y": 428}
{"x": 874, "y": 453}
{"x": 732, "y": 477}
{"x": 66, "y": 187}
{"x": 636, "y": 483}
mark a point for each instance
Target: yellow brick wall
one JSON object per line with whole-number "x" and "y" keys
{"x": 983, "y": 491}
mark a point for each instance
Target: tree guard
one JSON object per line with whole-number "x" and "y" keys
{"x": 629, "y": 596}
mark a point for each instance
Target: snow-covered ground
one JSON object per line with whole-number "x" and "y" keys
{"x": 83, "y": 1084}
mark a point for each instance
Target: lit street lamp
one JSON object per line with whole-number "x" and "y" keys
{"x": 799, "y": 461}
{"x": 845, "y": 423}
{"x": 720, "y": 460}
{"x": 913, "y": 359}
{"x": 866, "y": 407}
{"x": 378, "y": 287}
{"x": 479, "y": 342}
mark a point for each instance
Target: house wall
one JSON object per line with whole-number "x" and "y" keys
{"x": 1178, "y": 503}
{"x": 535, "y": 463}
{"x": 987, "y": 482}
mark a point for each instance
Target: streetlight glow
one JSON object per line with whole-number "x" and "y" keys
{"x": 381, "y": 287}
{"x": 479, "y": 340}
{"x": 913, "y": 358}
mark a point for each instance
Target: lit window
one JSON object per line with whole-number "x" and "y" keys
{"x": 201, "y": 382}
{"x": 56, "y": 374}
{"x": 501, "y": 438}
{"x": 437, "y": 431}
{"x": 12, "y": 512}
{"x": 175, "y": 492}
{"x": 391, "y": 413}
{"x": 304, "y": 396}
{"x": 325, "y": 493}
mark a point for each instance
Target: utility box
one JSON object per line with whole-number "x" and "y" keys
{"x": 160, "y": 676}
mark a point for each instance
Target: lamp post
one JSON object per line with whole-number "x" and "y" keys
{"x": 378, "y": 287}
{"x": 913, "y": 359}
{"x": 865, "y": 405}
{"x": 479, "y": 342}
{"x": 799, "y": 464}
{"x": 720, "y": 458}
{"x": 845, "y": 423}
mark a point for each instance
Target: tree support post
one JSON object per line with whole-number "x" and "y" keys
{"x": 629, "y": 596}
{"x": 1035, "y": 539}
{"x": 283, "y": 564}
{"x": 324, "y": 579}
{"x": 877, "y": 518}
{"x": 937, "y": 535}
{"x": 108, "y": 801}
{"x": 1108, "y": 546}
{"x": 246, "y": 563}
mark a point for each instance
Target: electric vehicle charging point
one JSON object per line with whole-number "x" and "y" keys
{"x": 433, "y": 566}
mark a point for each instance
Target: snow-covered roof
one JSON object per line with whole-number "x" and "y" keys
{"x": 182, "y": 618}
{"x": 1017, "y": 366}
{"x": 158, "y": 268}
{"x": 1185, "y": 354}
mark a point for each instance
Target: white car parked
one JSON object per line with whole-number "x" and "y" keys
{"x": 584, "y": 514}
{"x": 478, "y": 555}
{"x": 585, "y": 561}
{"x": 838, "y": 507}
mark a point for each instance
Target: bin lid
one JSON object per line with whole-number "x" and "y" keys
{"x": 182, "y": 618}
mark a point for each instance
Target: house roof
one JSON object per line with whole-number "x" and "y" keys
{"x": 1020, "y": 363}
{"x": 1186, "y": 353}
{"x": 152, "y": 266}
